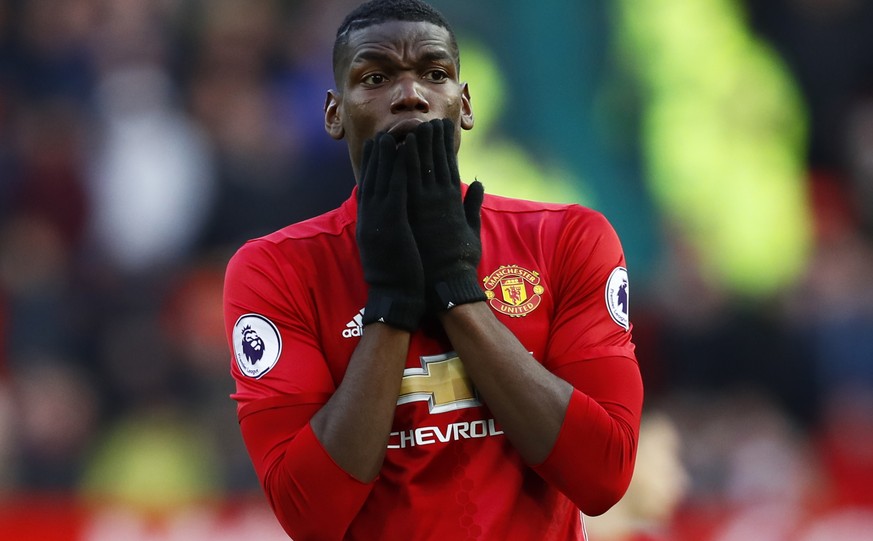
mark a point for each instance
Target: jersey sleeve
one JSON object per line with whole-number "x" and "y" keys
{"x": 591, "y": 348}
{"x": 590, "y": 284}
{"x": 593, "y": 459}
{"x": 282, "y": 380}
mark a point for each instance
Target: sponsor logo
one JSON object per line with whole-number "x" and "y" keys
{"x": 617, "y": 297}
{"x": 513, "y": 291}
{"x": 355, "y": 327}
{"x": 256, "y": 345}
{"x": 429, "y": 435}
{"x": 441, "y": 381}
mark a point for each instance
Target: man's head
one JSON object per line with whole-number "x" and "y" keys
{"x": 396, "y": 64}
{"x": 380, "y": 11}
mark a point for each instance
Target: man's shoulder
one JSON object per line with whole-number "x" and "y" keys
{"x": 549, "y": 222}
{"x": 300, "y": 237}
{"x": 331, "y": 223}
{"x": 510, "y": 206}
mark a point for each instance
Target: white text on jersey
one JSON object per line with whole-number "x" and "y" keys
{"x": 428, "y": 435}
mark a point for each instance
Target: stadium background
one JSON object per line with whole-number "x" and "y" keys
{"x": 730, "y": 143}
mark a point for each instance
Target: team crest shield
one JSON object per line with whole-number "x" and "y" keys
{"x": 513, "y": 291}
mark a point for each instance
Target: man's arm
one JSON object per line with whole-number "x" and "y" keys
{"x": 579, "y": 433}
{"x": 318, "y": 453}
{"x": 582, "y": 444}
{"x": 315, "y": 446}
{"x": 527, "y": 399}
{"x": 317, "y": 461}
{"x": 354, "y": 425}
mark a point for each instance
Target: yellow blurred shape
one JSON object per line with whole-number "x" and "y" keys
{"x": 723, "y": 135}
{"x": 152, "y": 464}
{"x": 503, "y": 166}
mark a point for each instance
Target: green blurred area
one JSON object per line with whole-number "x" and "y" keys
{"x": 664, "y": 115}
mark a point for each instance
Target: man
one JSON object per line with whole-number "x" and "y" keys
{"x": 426, "y": 362}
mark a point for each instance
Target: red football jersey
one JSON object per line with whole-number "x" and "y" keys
{"x": 554, "y": 275}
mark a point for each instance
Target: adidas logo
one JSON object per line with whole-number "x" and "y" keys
{"x": 354, "y": 327}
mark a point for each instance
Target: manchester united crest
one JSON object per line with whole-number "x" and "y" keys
{"x": 513, "y": 291}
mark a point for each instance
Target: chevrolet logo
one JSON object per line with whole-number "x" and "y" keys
{"x": 441, "y": 381}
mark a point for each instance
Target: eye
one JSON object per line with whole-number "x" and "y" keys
{"x": 436, "y": 75}
{"x": 374, "y": 79}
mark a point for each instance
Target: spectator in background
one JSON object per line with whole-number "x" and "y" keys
{"x": 58, "y": 410}
{"x": 151, "y": 183}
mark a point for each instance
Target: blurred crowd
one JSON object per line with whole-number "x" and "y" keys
{"x": 142, "y": 142}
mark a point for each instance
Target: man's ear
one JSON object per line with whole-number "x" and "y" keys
{"x": 333, "y": 124}
{"x": 466, "y": 108}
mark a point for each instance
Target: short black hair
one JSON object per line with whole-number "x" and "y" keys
{"x": 380, "y": 11}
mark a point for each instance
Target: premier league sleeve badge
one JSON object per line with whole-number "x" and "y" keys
{"x": 256, "y": 345}
{"x": 617, "y": 297}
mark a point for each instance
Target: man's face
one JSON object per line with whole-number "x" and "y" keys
{"x": 392, "y": 77}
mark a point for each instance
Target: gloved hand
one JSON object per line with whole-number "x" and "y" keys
{"x": 392, "y": 266}
{"x": 446, "y": 228}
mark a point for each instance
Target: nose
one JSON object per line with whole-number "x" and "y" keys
{"x": 407, "y": 96}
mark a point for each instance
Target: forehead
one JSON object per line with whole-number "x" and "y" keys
{"x": 397, "y": 37}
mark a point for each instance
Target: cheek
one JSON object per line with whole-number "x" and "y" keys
{"x": 360, "y": 118}
{"x": 453, "y": 106}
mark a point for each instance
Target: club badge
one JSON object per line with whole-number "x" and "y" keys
{"x": 513, "y": 291}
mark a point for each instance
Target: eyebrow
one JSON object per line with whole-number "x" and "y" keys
{"x": 440, "y": 55}
{"x": 369, "y": 56}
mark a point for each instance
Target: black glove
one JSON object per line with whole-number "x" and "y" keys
{"x": 446, "y": 228}
{"x": 392, "y": 266}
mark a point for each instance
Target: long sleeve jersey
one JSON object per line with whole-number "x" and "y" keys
{"x": 555, "y": 275}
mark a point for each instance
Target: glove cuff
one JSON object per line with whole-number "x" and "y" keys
{"x": 446, "y": 294}
{"x": 393, "y": 309}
